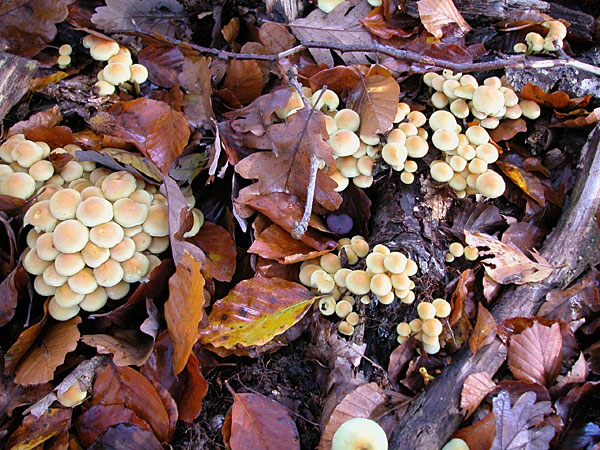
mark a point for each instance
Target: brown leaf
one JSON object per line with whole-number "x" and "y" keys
{"x": 40, "y": 362}
{"x": 185, "y": 309}
{"x": 164, "y": 64}
{"x": 435, "y": 14}
{"x": 357, "y": 205}
{"x": 275, "y": 37}
{"x": 558, "y": 99}
{"x": 528, "y": 182}
{"x": 37, "y": 430}
{"x": 41, "y": 83}
{"x": 342, "y": 25}
{"x": 243, "y": 81}
{"x": 260, "y": 423}
{"x": 338, "y": 79}
{"x": 46, "y": 118}
{"x": 195, "y": 79}
{"x": 463, "y": 290}
{"x": 23, "y": 343}
{"x": 485, "y": 330}
{"x": 580, "y": 122}
{"x": 129, "y": 347}
{"x": 26, "y": 27}
{"x": 14, "y": 284}
{"x": 255, "y": 311}
{"x": 218, "y": 246}
{"x": 523, "y": 235}
{"x": 475, "y": 388}
{"x": 231, "y": 30}
{"x": 375, "y": 98}
{"x": 124, "y": 386}
{"x": 480, "y": 435}
{"x": 361, "y": 402}
{"x": 126, "y": 437}
{"x": 508, "y": 129}
{"x": 535, "y": 354}
{"x": 135, "y": 160}
{"x": 508, "y": 264}
{"x": 378, "y": 25}
{"x": 158, "y": 131}
{"x": 578, "y": 374}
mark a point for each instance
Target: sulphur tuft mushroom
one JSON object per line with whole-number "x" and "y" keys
{"x": 359, "y": 434}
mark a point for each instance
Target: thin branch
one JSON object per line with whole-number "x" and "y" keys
{"x": 302, "y": 226}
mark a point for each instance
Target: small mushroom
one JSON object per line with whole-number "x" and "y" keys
{"x": 490, "y": 184}
{"x": 426, "y": 311}
{"x": 359, "y": 434}
{"x": 358, "y": 282}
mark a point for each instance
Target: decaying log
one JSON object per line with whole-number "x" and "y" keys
{"x": 287, "y": 9}
{"x": 434, "y": 416}
{"x": 15, "y": 74}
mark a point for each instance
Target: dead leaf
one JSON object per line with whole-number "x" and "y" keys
{"x": 527, "y": 181}
{"x": 26, "y": 27}
{"x": 46, "y": 118}
{"x": 523, "y": 235}
{"x": 342, "y": 26}
{"x": 480, "y": 435}
{"x": 128, "y": 347}
{"x": 485, "y": 330}
{"x": 11, "y": 287}
{"x": 516, "y": 426}
{"x": 475, "y": 216}
{"x": 475, "y": 388}
{"x": 580, "y": 122}
{"x": 219, "y": 249}
{"x": 535, "y": 354}
{"x": 508, "y": 264}
{"x": 126, "y": 437}
{"x": 40, "y": 83}
{"x": 578, "y": 374}
{"x": 164, "y": 64}
{"x": 243, "y": 83}
{"x": 231, "y": 30}
{"x": 185, "y": 309}
{"x": 124, "y": 386}
{"x": 338, "y": 79}
{"x": 41, "y": 360}
{"x": 508, "y": 129}
{"x": 135, "y": 160}
{"x": 375, "y": 98}
{"x": 255, "y": 311}
{"x": 380, "y": 26}
{"x": 34, "y": 431}
{"x": 24, "y": 342}
{"x": 558, "y": 99}
{"x": 158, "y": 131}
{"x": 260, "y": 423}
{"x": 361, "y": 402}
{"x": 195, "y": 78}
{"x": 275, "y": 37}
{"x": 435, "y": 14}
{"x": 166, "y": 17}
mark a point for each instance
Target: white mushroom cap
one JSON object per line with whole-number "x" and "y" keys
{"x": 488, "y": 99}
{"x": 118, "y": 291}
{"x": 94, "y": 300}
{"x": 344, "y": 142}
{"x": 107, "y": 234}
{"x": 103, "y": 50}
{"x": 70, "y": 236}
{"x": 18, "y": 184}
{"x": 139, "y": 73}
{"x": 359, "y": 434}
{"x": 442, "y": 119}
{"x": 490, "y": 184}
{"x": 59, "y": 313}
{"x": 118, "y": 185}
{"x": 63, "y": 204}
{"x": 116, "y": 73}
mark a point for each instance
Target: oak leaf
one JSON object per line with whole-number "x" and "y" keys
{"x": 485, "y": 330}
{"x": 435, "y": 14}
{"x": 509, "y": 264}
{"x": 475, "y": 388}
{"x": 255, "y": 311}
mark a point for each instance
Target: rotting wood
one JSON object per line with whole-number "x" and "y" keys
{"x": 287, "y": 9}
{"x": 574, "y": 244}
{"x": 15, "y": 74}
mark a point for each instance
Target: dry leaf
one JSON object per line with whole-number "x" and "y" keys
{"x": 46, "y": 118}
{"x": 255, "y": 311}
{"x": 185, "y": 309}
{"x": 137, "y": 161}
{"x": 535, "y": 355}
{"x": 379, "y": 25}
{"x": 508, "y": 129}
{"x": 96, "y": 420}
{"x": 219, "y": 249}
{"x": 527, "y": 181}
{"x": 578, "y": 374}
{"x": 558, "y": 99}
{"x": 40, "y": 362}
{"x": 231, "y": 30}
{"x": 128, "y": 437}
{"x": 34, "y": 431}
{"x": 485, "y": 330}
{"x": 275, "y": 37}
{"x": 164, "y": 64}
{"x": 259, "y": 423}
{"x": 338, "y": 79}
{"x": 12, "y": 286}
{"x": 508, "y": 264}
{"x": 475, "y": 388}
{"x": 341, "y": 26}
{"x": 243, "y": 81}
{"x": 128, "y": 347}
{"x": 435, "y": 14}
{"x": 481, "y": 434}
{"x": 580, "y": 122}
{"x": 195, "y": 79}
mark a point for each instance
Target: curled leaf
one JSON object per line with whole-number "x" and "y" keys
{"x": 435, "y": 14}
{"x": 475, "y": 388}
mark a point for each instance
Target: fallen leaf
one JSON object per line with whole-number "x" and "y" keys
{"x": 231, "y": 30}
{"x": 46, "y": 118}
{"x": 126, "y": 437}
{"x": 523, "y": 235}
{"x": 342, "y": 25}
{"x": 357, "y": 205}
{"x": 243, "y": 82}
{"x": 516, "y": 426}
{"x": 574, "y": 409}
{"x": 360, "y": 402}
{"x": 96, "y": 420}
{"x": 338, "y": 79}
{"x": 485, "y": 330}
{"x": 164, "y": 64}
{"x": 24, "y": 342}
{"x": 184, "y": 310}
{"x": 534, "y": 355}
{"x": 480, "y": 435}
{"x": 375, "y": 98}
{"x": 527, "y": 181}
{"x": 40, "y": 83}
{"x": 275, "y": 37}
{"x": 508, "y": 264}
{"x": 34, "y": 431}
{"x": 41, "y": 360}
{"x": 158, "y": 131}
{"x": 577, "y": 375}
{"x": 379, "y": 25}
{"x": 195, "y": 78}
{"x": 558, "y": 99}
{"x": 580, "y": 122}
{"x": 255, "y": 311}
{"x": 475, "y": 388}
{"x": 126, "y": 387}
{"x": 128, "y": 347}
{"x": 166, "y": 17}
{"x": 10, "y": 289}
{"x": 508, "y": 129}
{"x": 475, "y": 217}
{"x": 257, "y": 422}
{"x": 435, "y": 14}
{"x": 219, "y": 249}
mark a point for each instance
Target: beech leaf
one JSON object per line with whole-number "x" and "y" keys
{"x": 129, "y": 347}
{"x": 243, "y": 80}
{"x": 195, "y": 79}
{"x": 586, "y": 121}
{"x": 34, "y": 431}
{"x": 435, "y": 14}
{"x": 126, "y": 437}
{"x": 558, "y": 99}
{"x": 10, "y": 289}
{"x": 475, "y": 388}
{"x": 485, "y": 330}
{"x": 535, "y": 354}
{"x": 219, "y": 250}
{"x": 255, "y": 311}
{"x": 509, "y": 264}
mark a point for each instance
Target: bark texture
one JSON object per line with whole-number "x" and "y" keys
{"x": 15, "y": 74}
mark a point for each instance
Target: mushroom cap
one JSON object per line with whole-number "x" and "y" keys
{"x": 386, "y": 299}
{"x": 132, "y": 231}
{"x": 68, "y": 264}
{"x": 441, "y": 172}
{"x": 353, "y": 318}
{"x": 139, "y": 73}
{"x": 70, "y": 236}
{"x": 141, "y": 241}
{"x": 32, "y": 263}
{"x": 55, "y": 179}
{"x": 458, "y": 163}
{"x": 32, "y": 237}
{"x": 154, "y": 261}
{"x": 369, "y": 139}
{"x": 395, "y": 262}
{"x": 52, "y": 278}
{"x": 45, "y": 247}
{"x": 490, "y": 184}
{"x": 488, "y": 99}
{"x": 417, "y": 118}
{"x": 98, "y": 173}
{"x": 375, "y": 262}
{"x": 396, "y": 135}
{"x": 80, "y": 184}
{"x": 400, "y": 281}
{"x": 94, "y": 300}
{"x": 471, "y": 253}
{"x": 448, "y": 88}
{"x": 18, "y": 184}
{"x": 123, "y": 58}
{"x": 381, "y": 284}
{"x": 341, "y": 180}
{"x": 40, "y": 217}
{"x": 103, "y": 50}
{"x": 359, "y": 434}
{"x": 128, "y": 213}
{"x": 327, "y": 306}
{"x": 383, "y": 249}
{"x": 460, "y": 108}
{"x": 477, "y": 165}
{"x": 477, "y": 135}
{"x": 329, "y": 100}
{"x": 118, "y": 185}
{"x": 494, "y": 82}
{"x": 63, "y": 61}
{"x": 530, "y": 109}
{"x": 26, "y": 153}
{"x": 136, "y": 267}
{"x": 196, "y": 225}
{"x": 91, "y": 191}
{"x": 394, "y": 153}
{"x": 116, "y": 73}
{"x": 407, "y": 177}
{"x": 118, "y": 291}
{"x": 442, "y": 119}
{"x": 109, "y": 273}
{"x": 408, "y": 128}
{"x": 350, "y": 254}
{"x": 348, "y": 166}
{"x": 519, "y": 47}
{"x": 43, "y": 288}
{"x": 439, "y": 100}
{"x": 330, "y": 263}
{"x": 41, "y": 170}
{"x": 432, "y": 327}
{"x": 344, "y": 142}
{"x": 365, "y": 165}
{"x": 343, "y": 308}
{"x": 456, "y": 444}
{"x": 345, "y": 328}
{"x": 442, "y": 307}
{"x": 426, "y": 311}
{"x": 464, "y": 92}
{"x": 59, "y": 313}
{"x": 466, "y": 151}
{"x": 103, "y": 87}
{"x": 322, "y": 281}
{"x": 491, "y": 122}
{"x": 411, "y": 166}
{"x": 142, "y": 196}
{"x": 347, "y": 119}
{"x": 449, "y": 257}
{"x": 65, "y": 297}
{"x": 93, "y": 255}
{"x": 458, "y": 182}
{"x": 159, "y": 244}
{"x": 340, "y": 277}
{"x": 157, "y": 223}
{"x": 445, "y": 139}
{"x": 416, "y": 325}
{"x": 416, "y": 146}
{"x": 456, "y": 248}
{"x": 83, "y": 282}
{"x": 438, "y": 82}
{"x": 63, "y": 204}
{"x": 432, "y": 349}
{"x": 358, "y": 282}
{"x": 403, "y": 329}
{"x": 513, "y": 112}
{"x": 428, "y": 78}
{"x": 72, "y": 170}
{"x": 328, "y": 5}
{"x": 534, "y": 41}
{"x": 487, "y": 152}
{"x": 411, "y": 268}
{"x": 107, "y": 234}
{"x": 72, "y": 396}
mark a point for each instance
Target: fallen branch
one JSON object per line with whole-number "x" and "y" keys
{"x": 574, "y": 244}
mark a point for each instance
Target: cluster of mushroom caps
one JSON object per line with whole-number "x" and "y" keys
{"x": 386, "y": 275}
{"x": 535, "y": 43}
{"x": 457, "y": 250}
{"x": 488, "y": 103}
{"x": 466, "y": 158}
{"x": 120, "y": 70}
{"x": 95, "y": 231}
{"x": 427, "y": 327}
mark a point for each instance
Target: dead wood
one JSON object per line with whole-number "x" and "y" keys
{"x": 434, "y": 416}
{"x": 15, "y": 74}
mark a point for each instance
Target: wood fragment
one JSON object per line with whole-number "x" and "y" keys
{"x": 15, "y": 74}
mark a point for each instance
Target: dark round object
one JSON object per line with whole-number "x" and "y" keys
{"x": 340, "y": 224}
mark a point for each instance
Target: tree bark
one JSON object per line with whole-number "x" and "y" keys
{"x": 15, "y": 74}
{"x": 435, "y": 415}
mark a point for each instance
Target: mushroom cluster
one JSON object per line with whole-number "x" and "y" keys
{"x": 95, "y": 231}
{"x": 457, "y": 250}
{"x": 487, "y": 103}
{"x": 466, "y": 158}
{"x": 386, "y": 275}
{"x": 427, "y": 327}
{"x": 120, "y": 70}
{"x": 535, "y": 43}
